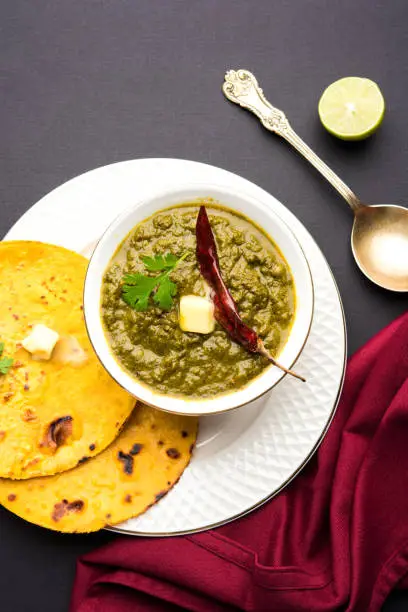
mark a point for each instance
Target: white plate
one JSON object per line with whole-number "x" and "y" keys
{"x": 246, "y": 456}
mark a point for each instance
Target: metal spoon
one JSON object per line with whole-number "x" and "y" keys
{"x": 379, "y": 238}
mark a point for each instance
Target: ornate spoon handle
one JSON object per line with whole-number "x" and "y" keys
{"x": 241, "y": 87}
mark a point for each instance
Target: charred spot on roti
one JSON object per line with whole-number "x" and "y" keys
{"x": 136, "y": 448}
{"x": 12, "y": 497}
{"x": 184, "y": 434}
{"x": 59, "y": 511}
{"x": 29, "y": 415}
{"x": 76, "y": 506}
{"x": 160, "y": 495}
{"x": 64, "y": 507}
{"x": 160, "y": 443}
{"x": 83, "y": 459}
{"x": 190, "y": 450}
{"x": 92, "y": 447}
{"x": 173, "y": 453}
{"x": 128, "y": 499}
{"x": 58, "y": 431}
{"x": 127, "y": 461}
{"x": 7, "y": 396}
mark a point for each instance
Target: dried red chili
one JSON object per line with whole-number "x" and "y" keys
{"x": 225, "y": 308}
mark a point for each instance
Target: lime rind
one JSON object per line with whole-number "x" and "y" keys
{"x": 352, "y": 108}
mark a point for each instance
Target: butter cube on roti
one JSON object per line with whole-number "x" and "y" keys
{"x": 196, "y": 314}
{"x": 40, "y": 343}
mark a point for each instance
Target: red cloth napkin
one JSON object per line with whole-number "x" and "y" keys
{"x": 335, "y": 539}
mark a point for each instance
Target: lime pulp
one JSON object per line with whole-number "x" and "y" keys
{"x": 352, "y": 108}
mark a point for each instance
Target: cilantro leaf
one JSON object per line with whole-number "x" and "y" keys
{"x": 158, "y": 263}
{"x": 5, "y": 364}
{"x": 133, "y": 279}
{"x": 138, "y": 288}
{"x": 164, "y": 294}
{"x": 172, "y": 260}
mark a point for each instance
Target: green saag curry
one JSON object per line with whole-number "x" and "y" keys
{"x": 150, "y": 344}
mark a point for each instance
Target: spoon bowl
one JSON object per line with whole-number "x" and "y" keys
{"x": 380, "y": 244}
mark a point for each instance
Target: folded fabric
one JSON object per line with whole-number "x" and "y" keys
{"x": 335, "y": 539}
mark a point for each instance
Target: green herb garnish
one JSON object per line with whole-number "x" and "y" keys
{"x": 158, "y": 263}
{"x": 138, "y": 288}
{"x": 5, "y": 362}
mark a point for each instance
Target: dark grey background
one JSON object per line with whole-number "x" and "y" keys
{"x": 89, "y": 82}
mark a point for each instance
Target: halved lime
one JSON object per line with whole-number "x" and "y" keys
{"x": 352, "y": 108}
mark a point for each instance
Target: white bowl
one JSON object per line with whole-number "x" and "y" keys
{"x": 256, "y": 211}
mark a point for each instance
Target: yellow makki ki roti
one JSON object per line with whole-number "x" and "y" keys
{"x": 54, "y": 412}
{"x": 134, "y": 472}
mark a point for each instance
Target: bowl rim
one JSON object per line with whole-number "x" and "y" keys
{"x": 169, "y": 192}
